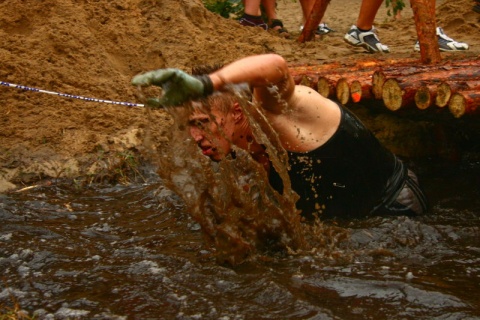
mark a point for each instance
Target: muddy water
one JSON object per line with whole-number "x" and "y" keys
{"x": 132, "y": 252}
{"x": 192, "y": 241}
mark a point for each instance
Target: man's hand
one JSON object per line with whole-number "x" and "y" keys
{"x": 178, "y": 86}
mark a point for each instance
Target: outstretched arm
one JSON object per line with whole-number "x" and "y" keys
{"x": 267, "y": 74}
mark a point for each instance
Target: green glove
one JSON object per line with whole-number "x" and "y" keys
{"x": 178, "y": 86}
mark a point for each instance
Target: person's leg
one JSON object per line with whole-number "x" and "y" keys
{"x": 362, "y": 34}
{"x": 367, "y": 14}
{"x": 252, "y": 7}
{"x": 307, "y": 6}
{"x": 252, "y": 16}
{"x": 270, "y": 9}
{"x": 269, "y": 6}
{"x": 410, "y": 201}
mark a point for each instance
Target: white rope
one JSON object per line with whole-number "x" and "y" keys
{"x": 12, "y": 85}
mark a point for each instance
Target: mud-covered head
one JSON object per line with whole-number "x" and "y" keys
{"x": 217, "y": 121}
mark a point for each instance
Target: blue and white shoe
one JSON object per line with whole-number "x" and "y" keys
{"x": 445, "y": 43}
{"x": 322, "y": 29}
{"x": 368, "y": 40}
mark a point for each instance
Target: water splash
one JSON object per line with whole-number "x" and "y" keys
{"x": 232, "y": 200}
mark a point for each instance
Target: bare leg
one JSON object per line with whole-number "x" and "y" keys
{"x": 252, "y": 7}
{"x": 252, "y": 16}
{"x": 368, "y": 11}
{"x": 307, "y": 6}
{"x": 362, "y": 34}
{"x": 270, "y": 10}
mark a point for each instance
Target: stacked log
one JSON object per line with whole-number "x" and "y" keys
{"x": 400, "y": 84}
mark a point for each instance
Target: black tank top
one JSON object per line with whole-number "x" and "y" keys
{"x": 351, "y": 175}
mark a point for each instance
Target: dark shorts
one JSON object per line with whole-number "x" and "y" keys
{"x": 410, "y": 201}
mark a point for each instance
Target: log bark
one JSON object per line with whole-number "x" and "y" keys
{"x": 425, "y": 23}
{"x": 430, "y": 76}
{"x": 389, "y": 66}
{"x": 396, "y": 94}
{"x": 354, "y": 86}
{"x": 465, "y": 102}
{"x": 313, "y": 20}
{"x": 453, "y": 71}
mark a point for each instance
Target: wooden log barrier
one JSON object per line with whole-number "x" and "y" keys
{"x": 447, "y": 88}
{"x": 396, "y": 94}
{"x": 465, "y": 102}
{"x": 399, "y": 83}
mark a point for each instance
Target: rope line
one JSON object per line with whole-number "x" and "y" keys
{"x": 66, "y": 95}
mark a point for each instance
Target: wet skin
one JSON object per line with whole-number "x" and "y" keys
{"x": 210, "y": 134}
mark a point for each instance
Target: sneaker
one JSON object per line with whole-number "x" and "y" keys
{"x": 367, "y": 39}
{"x": 321, "y": 30}
{"x": 445, "y": 43}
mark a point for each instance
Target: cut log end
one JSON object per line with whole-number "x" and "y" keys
{"x": 456, "y": 105}
{"x": 378, "y": 79}
{"x": 392, "y": 95}
{"x": 465, "y": 102}
{"x": 324, "y": 87}
{"x": 444, "y": 94}
{"x": 343, "y": 91}
{"x": 423, "y": 98}
{"x": 306, "y": 81}
{"x": 360, "y": 90}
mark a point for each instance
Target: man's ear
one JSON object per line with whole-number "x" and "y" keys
{"x": 237, "y": 112}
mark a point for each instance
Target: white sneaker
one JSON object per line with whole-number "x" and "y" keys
{"x": 367, "y": 39}
{"x": 322, "y": 29}
{"x": 445, "y": 43}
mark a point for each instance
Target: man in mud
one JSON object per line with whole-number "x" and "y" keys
{"x": 337, "y": 167}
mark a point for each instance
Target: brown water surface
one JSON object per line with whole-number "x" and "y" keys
{"x": 118, "y": 252}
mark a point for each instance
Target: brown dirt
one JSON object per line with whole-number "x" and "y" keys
{"x": 93, "y": 48}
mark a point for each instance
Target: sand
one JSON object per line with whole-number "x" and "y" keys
{"x": 94, "y": 48}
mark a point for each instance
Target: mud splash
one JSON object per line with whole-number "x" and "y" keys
{"x": 232, "y": 200}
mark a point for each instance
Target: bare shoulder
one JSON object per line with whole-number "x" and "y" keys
{"x": 313, "y": 106}
{"x": 308, "y": 121}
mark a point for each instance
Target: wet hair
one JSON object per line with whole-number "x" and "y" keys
{"x": 206, "y": 69}
{"x": 227, "y": 98}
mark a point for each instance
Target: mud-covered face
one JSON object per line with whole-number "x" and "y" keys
{"x": 212, "y": 132}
